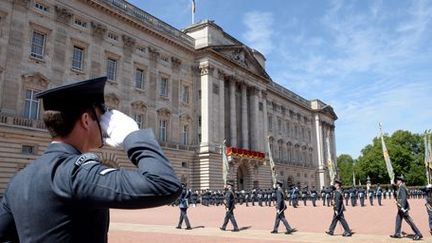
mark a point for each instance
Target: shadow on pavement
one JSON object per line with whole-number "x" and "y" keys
{"x": 199, "y": 227}
{"x": 245, "y": 228}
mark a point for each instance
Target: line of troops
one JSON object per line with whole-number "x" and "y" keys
{"x": 353, "y": 196}
{"x": 333, "y": 195}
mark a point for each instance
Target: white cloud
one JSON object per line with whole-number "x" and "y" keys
{"x": 371, "y": 65}
{"x": 259, "y": 33}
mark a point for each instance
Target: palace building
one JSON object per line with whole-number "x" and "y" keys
{"x": 196, "y": 88}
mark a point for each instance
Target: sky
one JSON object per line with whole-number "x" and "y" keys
{"x": 371, "y": 60}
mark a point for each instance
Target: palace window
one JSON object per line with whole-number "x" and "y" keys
{"x": 185, "y": 94}
{"x": 32, "y": 105}
{"x": 139, "y": 78}
{"x": 163, "y": 125}
{"x": 270, "y": 123}
{"x": 279, "y": 125}
{"x": 139, "y": 118}
{"x": 163, "y": 87}
{"x": 185, "y": 134}
{"x": 77, "y": 58}
{"x": 113, "y": 36}
{"x": 40, "y": 6}
{"x": 111, "y": 69}
{"x": 38, "y": 45}
{"x": 28, "y": 149}
{"x": 80, "y": 23}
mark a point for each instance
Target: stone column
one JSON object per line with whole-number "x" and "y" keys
{"x": 221, "y": 115}
{"x": 206, "y": 106}
{"x": 319, "y": 151}
{"x": 233, "y": 120}
{"x": 244, "y": 109}
{"x": 254, "y": 119}
{"x": 265, "y": 120}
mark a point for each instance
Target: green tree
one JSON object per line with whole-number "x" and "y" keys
{"x": 345, "y": 166}
{"x": 406, "y": 153}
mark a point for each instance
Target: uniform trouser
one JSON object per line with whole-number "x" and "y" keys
{"x": 362, "y": 201}
{"x": 294, "y": 202}
{"x": 229, "y": 215}
{"x": 328, "y": 201}
{"x": 430, "y": 218}
{"x": 304, "y": 201}
{"x": 353, "y": 201}
{"x": 314, "y": 202}
{"x": 371, "y": 201}
{"x": 183, "y": 215}
{"x": 379, "y": 200}
{"x": 341, "y": 218}
{"x": 281, "y": 217}
{"x": 346, "y": 201}
{"x": 409, "y": 221}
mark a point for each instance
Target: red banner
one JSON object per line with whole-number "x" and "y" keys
{"x": 239, "y": 152}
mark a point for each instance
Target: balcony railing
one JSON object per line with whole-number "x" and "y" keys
{"x": 21, "y": 121}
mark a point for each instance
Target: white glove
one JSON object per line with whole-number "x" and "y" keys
{"x": 117, "y": 126}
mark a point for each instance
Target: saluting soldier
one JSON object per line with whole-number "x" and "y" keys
{"x": 65, "y": 194}
{"x": 338, "y": 208}
{"x": 403, "y": 208}
{"x": 184, "y": 205}
{"x": 229, "y": 206}
{"x": 280, "y": 209}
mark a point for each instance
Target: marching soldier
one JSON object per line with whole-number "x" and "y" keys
{"x": 294, "y": 196}
{"x": 280, "y": 209}
{"x": 65, "y": 195}
{"x": 428, "y": 192}
{"x": 305, "y": 195}
{"x": 346, "y": 196}
{"x": 184, "y": 205}
{"x": 328, "y": 195}
{"x": 379, "y": 193}
{"x": 353, "y": 196}
{"x": 314, "y": 196}
{"x": 323, "y": 193}
{"x": 229, "y": 205}
{"x": 371, "y": 196}
{"x": 403, "y": 208}
{"x": 361, "y": 193}
{"x": 339, "y": 208}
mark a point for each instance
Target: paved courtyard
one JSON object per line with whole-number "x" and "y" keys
{"x": 370, "y": 224}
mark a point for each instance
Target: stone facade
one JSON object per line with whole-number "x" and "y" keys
{"x": 195, "y": 88}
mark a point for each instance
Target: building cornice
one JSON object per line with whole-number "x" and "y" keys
{"x": 147, "y": 23}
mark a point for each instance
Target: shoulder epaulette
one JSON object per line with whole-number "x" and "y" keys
{"x": 86, "y": 157}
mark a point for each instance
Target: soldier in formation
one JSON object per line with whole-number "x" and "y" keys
{"x": 230, "y": 206}
{"x": 280, "y": 209}
{"x": 403, "y": 210}
{"x": 338, "y": 214}
{"x": 184, "y": 205}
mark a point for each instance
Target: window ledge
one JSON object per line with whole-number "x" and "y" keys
{"x": 77, "y": 71}
{"x": 36, "y": 59}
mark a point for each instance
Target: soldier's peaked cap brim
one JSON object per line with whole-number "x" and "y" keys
{"x": 74, "y": 96}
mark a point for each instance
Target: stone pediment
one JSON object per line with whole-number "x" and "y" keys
{"x": 242, "y": 56}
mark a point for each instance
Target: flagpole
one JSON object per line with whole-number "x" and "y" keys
{"x": 193, "y": 11}
{"x": 386, "y": 157}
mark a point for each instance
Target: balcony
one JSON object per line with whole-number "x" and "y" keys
{"x": 21, "y": 121}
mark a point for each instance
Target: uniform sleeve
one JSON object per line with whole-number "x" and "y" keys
{"x": 402, "y": 198}
{"x": 153, "y": 183}
{"x": 8, "y": 231}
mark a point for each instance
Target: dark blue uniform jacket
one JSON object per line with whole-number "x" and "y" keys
{"x": 65, "y": 196}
